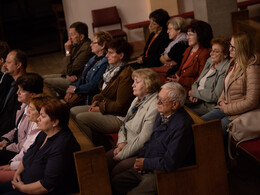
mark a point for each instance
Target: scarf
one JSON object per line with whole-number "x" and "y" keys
{"x": 111, "y": 71}
{"x": 179, "y": 38}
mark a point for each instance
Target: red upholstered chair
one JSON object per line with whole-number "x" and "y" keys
{"x": 106, "y": 17}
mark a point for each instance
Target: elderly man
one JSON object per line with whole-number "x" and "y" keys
{"x": 15, "y": 66}
{"x": 78, "y": 53}
{"x": 170, "y": 147}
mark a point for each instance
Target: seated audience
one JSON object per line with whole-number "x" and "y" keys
{"x": 87, "y": 84}
{"x": 138, "y": 124}
{"x": 242, "y": 87}
{"x": 170, "y": 147}
{"x": 173, "y": 53}
{"x": 206, "y": 90}
{"x": 12, "y": 142}
{"x": 15, "y": 66}
{"x": 33, "y": 111}
{"x": 78, "y": 53}
{"x": 157, "y": 41}
{"x": 195, "y": 56}
{"x": 105, "y": 115}
{"x": 48, "y": 166}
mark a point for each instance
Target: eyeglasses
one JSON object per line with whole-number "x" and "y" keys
{"x": 215, "y": 51}
{"x": 162, "y": 101}
{"x": 190, "y": 34}
{"x": 94, "y": 42}
{"x": 232, "y": 47}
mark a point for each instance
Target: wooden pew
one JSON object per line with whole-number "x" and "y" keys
{"x": 209, "y": 174}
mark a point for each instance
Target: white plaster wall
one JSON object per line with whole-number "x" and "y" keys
{"x": 130, "y": 11}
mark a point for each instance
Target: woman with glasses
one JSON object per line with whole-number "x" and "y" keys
{"x": 195, "y": 56}
{"x": 206, "y": 90}
{"x": 138, "y": 124}
{"x": 241, "y": 85}
{"x": 87, "y": 85}
{"x": 108, "y": 108}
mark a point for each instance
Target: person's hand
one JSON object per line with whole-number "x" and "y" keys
{"x": 119, "y": 147}
{"x": 3, "y": 144}
{"x": 71, "y": 78}
{"x": 68, "y": 45}
{"x": 138, "y": 166}
{"x": 17, "y": 185}
{"x": 94, "y": 109}
{"x": 174, "y": 78}
{"x": 193, "y": 99}
{"x": 5, "y": 168}
{"x": 17, "y": 177}
{"x": 222, "y": 105}
{"x": 140, "y": 60}
{"x": 68, "y": 96}
{"x": 71, "y": 89}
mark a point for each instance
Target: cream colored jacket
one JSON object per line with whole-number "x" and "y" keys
{"x": 139, "y": 129}
{"x": 243, "y": 96}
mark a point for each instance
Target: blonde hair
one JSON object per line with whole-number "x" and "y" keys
{"x": 244, "y": 51}
{"x": 151, "y": 79}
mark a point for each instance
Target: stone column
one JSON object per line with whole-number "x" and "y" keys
{"x": 216, "y": 13}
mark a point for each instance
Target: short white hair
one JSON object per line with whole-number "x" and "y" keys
{"x": 176, "y": 92}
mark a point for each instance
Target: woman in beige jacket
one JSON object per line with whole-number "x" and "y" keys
{"x": 138, "y": 124}
{"x": 242, "y": 87}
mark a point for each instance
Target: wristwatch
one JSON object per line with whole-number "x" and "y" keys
{"x": 67, "y": 52}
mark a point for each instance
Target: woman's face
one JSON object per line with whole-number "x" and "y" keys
{"x": 172, "y": 32}
{"x": 23, "y": 95}
{"x": 139, "y": 89}
{"x": 44, "y": 121}
{"x": 113, "y": 57}
{"x": 192, "y": 38}
{"x": 33, "y": 113}
{"x": 95, "y": 47}
{"x": 232, "y": 49}
{"x": 154, "y": 27}
{"x": 216, "y": 53}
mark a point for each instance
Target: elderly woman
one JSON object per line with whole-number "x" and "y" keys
{"x": 206, "y": 90}
{"x": 172, "y": 55}
{"x": 195, "y": 56}
{"x": 48, "y": 166}
{"x": 7, "y": 171}
{"x": 105, "y": 115}
{"x": 138, "y": 124}
{"x": 157, "y": 41}
{"x": 242, "y": 88}
{"x": 87, "y": 85}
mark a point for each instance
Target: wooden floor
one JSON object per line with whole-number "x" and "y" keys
{"x": 244, "y": 178}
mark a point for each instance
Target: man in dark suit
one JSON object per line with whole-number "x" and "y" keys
{"x": 15, "y": 66}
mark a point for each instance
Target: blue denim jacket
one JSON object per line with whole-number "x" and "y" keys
{"x": 89, "y": 84}
{"x": 171, "y": 144}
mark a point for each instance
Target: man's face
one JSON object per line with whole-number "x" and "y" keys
{"x": 10, "y": 64}
{"x": 165, "y": 105}
{"x": 75, "y": 37}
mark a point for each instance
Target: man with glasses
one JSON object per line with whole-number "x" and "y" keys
{"x": 170, "y": 146}
{"x": 77, "y": 54}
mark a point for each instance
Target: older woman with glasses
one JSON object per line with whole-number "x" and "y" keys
{"x": 138, "y": 124}
{"x": 241, "y": 92}
{"x": 87, "y": 85}
{"x": 206, "y": 90}
{"x": 195, "y": 56}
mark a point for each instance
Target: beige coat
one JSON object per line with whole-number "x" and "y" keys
{"x": 243, "y": 96}
{"x": 139, "y": 129}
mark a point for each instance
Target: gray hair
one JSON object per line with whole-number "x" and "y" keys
{"x": 176, "y": 92}
{"x": 179, "y": 23}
